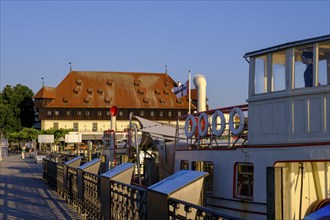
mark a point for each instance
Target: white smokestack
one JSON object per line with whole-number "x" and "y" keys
{"x": 200, "y": 85}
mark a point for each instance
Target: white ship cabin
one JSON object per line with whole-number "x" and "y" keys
{"x": 285, "y": 104}
{"x": 288, "y": 101}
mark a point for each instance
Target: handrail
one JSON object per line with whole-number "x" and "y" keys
{"x": 126, "y": 201}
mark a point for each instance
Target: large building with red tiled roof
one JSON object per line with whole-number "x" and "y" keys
{"x": 82, "y": 100}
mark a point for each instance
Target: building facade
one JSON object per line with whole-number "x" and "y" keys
{"x": 83, "y": 99}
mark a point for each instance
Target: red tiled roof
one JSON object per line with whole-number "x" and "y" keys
{"x": 83, "y": 89}
{"x": 46, "y": 93}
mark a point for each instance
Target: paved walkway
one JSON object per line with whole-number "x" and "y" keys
{"x": 24, "y": 195}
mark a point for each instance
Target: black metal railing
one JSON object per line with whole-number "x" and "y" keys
{"x": 91, "y": 195}
{"x": 127, "y": 201}
{"x": 179, "y": 209}
{"x": 85, "y": 192}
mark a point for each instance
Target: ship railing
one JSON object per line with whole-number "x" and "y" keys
{"x": 179, "y": 209}
{"x": 210, "y": 139}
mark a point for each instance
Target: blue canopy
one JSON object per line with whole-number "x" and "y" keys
{"x": 321, "y": 214}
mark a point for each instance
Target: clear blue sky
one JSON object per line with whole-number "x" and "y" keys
{"x": 40, "y": 38}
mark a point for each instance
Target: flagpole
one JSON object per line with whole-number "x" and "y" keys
{"x": 189, "y": 76}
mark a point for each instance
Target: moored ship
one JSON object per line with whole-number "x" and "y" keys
{"x": 271, "y": 157}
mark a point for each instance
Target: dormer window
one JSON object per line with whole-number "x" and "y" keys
{"x": 90, "y": 90}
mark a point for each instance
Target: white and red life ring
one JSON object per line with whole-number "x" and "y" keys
{"x": 190, "y": 121}
{"x": 215, "y": 115}
{"x": 203, "y": 124}
{"x": 233, "y": 112}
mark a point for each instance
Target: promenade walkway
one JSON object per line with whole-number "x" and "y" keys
{"x": 24, "y": 195}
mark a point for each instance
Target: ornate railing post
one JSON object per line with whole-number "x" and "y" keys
{"x": 184, "y": 185}
{"x": 122, "y": 173}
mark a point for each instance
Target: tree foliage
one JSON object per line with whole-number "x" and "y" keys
{"x": 30, "y": 134}
{"x": 16, "y": 108}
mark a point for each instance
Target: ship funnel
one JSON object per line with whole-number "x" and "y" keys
{"x": 200, "y": 84}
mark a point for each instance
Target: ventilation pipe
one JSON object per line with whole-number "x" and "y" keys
{"x": 200, "y": 85}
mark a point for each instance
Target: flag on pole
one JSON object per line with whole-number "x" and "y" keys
{"x": 181, "y": 90}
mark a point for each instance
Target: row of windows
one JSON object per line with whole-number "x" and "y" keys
{"x": 99, "y": 113}
{"x": 75, "y": 126}
{"x": 273, "y": 72}
{"x": 243, "y": 177}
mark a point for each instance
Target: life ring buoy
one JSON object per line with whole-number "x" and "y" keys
{"x": 233, "y": 112}
{"x": 215, "y": 115}
{"x": 203, "y": 124}
{"x": 190, "y": 121}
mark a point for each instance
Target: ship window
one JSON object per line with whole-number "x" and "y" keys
{"x": 184, "y": 165}
{"x": 244, "y": 173}
{"x": 324, "y": 64}
{"x": 299, "y": 66}
{"x": 260, "y": 75}
{"x": 205, "y": 166}
{"x": 278, "y": 71}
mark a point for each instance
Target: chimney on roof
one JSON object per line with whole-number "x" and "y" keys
{"x": 70, "y": 67}
{"x": 166, "y": 69}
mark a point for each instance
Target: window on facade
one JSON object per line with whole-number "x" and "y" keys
{"x": 152, "y": 113}
{"x": 260, "y": 75}
{"x": 49, "y": 112}
{"x": 95, "y": 126}
{"x": 299, "y": 66}
{"x": 108, "y": 113}
{"x": 179, "y": 113}
{"x": 78, "y": 112}
{"x": 169, "y": 113}
{"x": 141, "y": 113}
{"x": 121, "y": 113}
{"x": 75, "y": 126}
{"x": 205, "y": 166}
{"x": 324, "y": 64}
{"x": 99, "y": 113}
{"x": 86, "y": 112}
{"x": 244, "y": 173}
{"x": 67, "y": 112}
{"x": 278, "y": 71}
{"x": 161, "y": 114}
{"x": 184, "y": 165}
{"x": 56, "y": 112}
{"x": 55, "y": 125}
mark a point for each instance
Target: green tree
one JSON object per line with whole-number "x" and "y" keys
{"x": 17, "y": 108}
{"x": 24, "y": 135}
